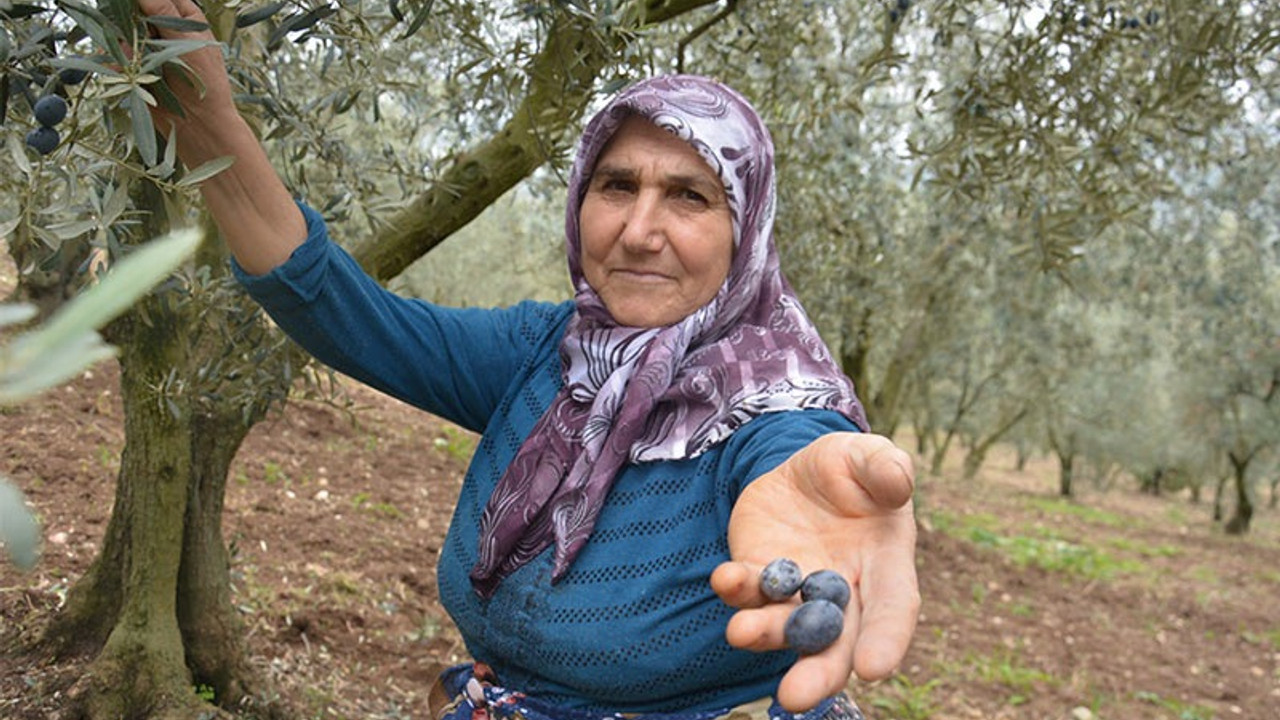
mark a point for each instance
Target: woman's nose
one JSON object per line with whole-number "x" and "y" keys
{"x": 643, "y": 230}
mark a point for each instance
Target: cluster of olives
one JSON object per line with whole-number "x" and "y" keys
{"x": 50, "y": 110}
{"x": 29, "y": 55}
{"x": 819, "y": 619}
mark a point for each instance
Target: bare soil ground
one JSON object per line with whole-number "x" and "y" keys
{"x": 1114, "y": 605}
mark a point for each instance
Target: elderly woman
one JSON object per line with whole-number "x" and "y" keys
{"x": 646, "y": 447}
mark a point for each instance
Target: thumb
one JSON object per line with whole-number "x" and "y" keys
{"x": 855, "y": 474}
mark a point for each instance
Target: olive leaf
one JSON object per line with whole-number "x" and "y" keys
{"x": 19, "y": 531}
{"x": 144, "y": 130}
{"x": 179, "y": 24}
{"x": 206, "y": 171}
{"x": 255, "y": 15}
{"x": 39, "y": 359}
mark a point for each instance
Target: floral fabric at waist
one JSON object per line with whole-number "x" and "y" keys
{"x": 471, "y": 692}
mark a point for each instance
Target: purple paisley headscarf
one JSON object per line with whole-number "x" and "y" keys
{"x": 644, "y": 394}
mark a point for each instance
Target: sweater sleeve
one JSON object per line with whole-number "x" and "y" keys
{"x": 453, "y": 362}
{"x": 769, "y": 440}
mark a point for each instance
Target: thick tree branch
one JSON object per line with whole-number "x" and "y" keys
{"x": 561, "y": 82}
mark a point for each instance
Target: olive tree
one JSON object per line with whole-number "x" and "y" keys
{"x": 467, "y": 99}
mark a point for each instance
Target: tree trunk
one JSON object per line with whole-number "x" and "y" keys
{"x": 1066, "y": 461}
{"x": 141, "y": 669}
{"x": 211, "y": 630}
{"x": 1217, "y": 498}
{"x": 973, "y": 461}
{"x": 1024, "y": 454}
{"x": 1239, "y": 522}
{"x": 156, "y": 603}
{"x": 1151, "y": 482}
{"x": 940, "y": 455}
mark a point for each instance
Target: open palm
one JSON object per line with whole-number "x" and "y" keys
{"x": 842, "y": 503}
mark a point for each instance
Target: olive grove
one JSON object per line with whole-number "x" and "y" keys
{"x": 1044, "y": 222}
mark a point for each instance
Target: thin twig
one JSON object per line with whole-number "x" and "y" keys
{"x": 700, "y": 30}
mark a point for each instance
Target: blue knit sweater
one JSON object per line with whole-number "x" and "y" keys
{"x": 634, "y": 625}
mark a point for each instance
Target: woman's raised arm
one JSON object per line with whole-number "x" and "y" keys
{"x": 253, "y": 209}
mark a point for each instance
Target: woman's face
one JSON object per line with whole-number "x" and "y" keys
{"x": 657, "y": 237}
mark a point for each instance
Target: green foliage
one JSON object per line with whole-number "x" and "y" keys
{"x": 1183, "y": 711}
{"x": 457, "y": 444}
{"x": 1059, "y": 506}
{"x": 1056, "y": 555}
{"x": 1165, "y": 551}
{"x": 362, "y": 501}
{"x": 1044, "y": 550}
{"x": 272, "y": 473}
{"x": 904, "y": 700}
{"x": 37, "y": 360}
{"x": 19, "y": 531}
{"x": 1006, "y": 668}
{"x": 1270, "y": 638}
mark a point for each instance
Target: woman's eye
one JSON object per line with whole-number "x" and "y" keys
{"x": 692, "y": 196}
{"x": 616, "y": 185}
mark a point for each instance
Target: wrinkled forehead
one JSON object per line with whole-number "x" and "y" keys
{"x": 714, "y": 119}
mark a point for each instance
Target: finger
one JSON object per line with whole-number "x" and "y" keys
{"x": 759, "y": 629}
{"x": 882, "y": 468}
{"x": 813, "y": 678}
{"x": 891, "y": 606}
{"x": 737, "y": 585}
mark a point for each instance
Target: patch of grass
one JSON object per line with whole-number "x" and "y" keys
{"x": 1149, "y": 551}
{"x": 1271, "y": 576}
{"x": 1007, "y": 669}
{"x": 904, "y": 700}
{"x": 1269, "y": 637}
{"x": 1176, "y": 515}
{"x": 272, "y": 473}
{"x": 979, "y": 593}
{"x": 456, "y": 443}
{"x": 1058, "y": 506}
{"x": 1055, "y": 554}
{"x": 1045, "y": 548}
{"x": 107, "y": 457}
{"x": 361, "y": 501}
{"x": 1181, "y": 710}
{"x": 343, "y": 583}
{"x": 1022, "y": 609}
{"x": 1204, "y": 575}
{"x": 1004, "y": 668}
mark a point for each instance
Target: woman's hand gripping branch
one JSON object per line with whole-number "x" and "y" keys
{"x": 253, "y": 209}
{"x": 842, "y": 503}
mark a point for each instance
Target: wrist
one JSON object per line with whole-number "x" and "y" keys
{"x": 213, "y": 135}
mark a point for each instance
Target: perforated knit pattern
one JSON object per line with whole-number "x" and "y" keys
{"x": 634, "y": 626}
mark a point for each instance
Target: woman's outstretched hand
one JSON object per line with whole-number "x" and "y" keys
{"x": 842, "y": 503}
